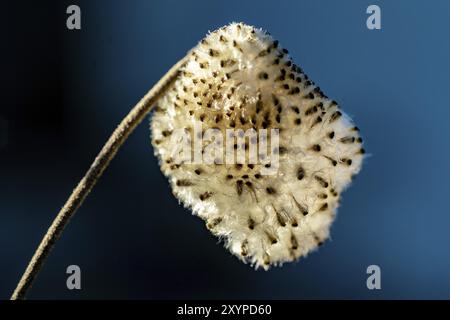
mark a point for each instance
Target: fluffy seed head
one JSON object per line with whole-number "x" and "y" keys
{"x": 239, "y": 77}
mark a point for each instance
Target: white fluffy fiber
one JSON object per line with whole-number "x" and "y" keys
{"x": 235, "y": 78}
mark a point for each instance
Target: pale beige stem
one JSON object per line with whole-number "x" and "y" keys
{"x": 118, "y": 137}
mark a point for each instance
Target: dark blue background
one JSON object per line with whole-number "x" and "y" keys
{"x": 64, "y": 91}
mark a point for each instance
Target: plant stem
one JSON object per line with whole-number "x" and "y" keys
{"x": 101, "y": 162}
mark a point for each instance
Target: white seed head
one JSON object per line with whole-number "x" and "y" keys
{"x": 238, "y": 77}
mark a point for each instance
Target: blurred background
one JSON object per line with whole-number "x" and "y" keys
{"x": 63, "y": 92}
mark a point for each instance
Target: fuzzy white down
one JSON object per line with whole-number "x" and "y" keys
{"x": 260, "y": 227}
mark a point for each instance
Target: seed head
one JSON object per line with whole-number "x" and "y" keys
{"x": 239, "y": 78}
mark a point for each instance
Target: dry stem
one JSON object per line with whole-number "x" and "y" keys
{"x": 101, "y": 162}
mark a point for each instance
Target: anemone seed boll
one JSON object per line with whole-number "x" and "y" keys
{"x": 237, "y": 79}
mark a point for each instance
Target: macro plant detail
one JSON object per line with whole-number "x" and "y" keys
{"x": 236, "y": 80}
{"x": 240, "y": 78}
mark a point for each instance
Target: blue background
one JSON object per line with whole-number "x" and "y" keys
{"x": 64, "y": 92}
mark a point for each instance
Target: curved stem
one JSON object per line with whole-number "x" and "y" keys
{"x": 101, "y": 162}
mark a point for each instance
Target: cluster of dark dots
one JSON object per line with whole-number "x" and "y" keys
{"x": 271, "y": 110}
{"x": 243, "y": 179}
{"x": 266, "y": 114}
